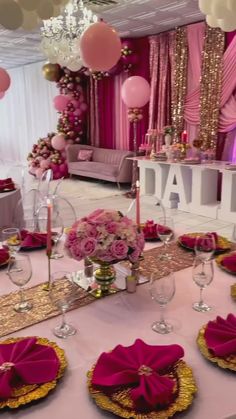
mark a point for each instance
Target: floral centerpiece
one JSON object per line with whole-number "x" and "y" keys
{"x": 168, "y": 129}
{"x": 106, "y": 237}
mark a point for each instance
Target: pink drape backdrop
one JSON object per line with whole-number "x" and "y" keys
{"x": 121, "y": 120}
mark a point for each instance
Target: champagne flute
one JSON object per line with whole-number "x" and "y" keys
{"x": 205, "y": 246}
{"x": 203, "y": 273}
{"x": 162, "y": 290}
{"x": 63, "y": 292}
{"x": 20, "y": 272}
{"x": 11, "y": 238}
{"x": 57, "y": 231}
{"x": 165, "y": 229}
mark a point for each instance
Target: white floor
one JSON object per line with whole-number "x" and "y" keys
{"x": 89, "y": 195}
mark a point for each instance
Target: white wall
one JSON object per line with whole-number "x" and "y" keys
{"x": 26, "y": 112}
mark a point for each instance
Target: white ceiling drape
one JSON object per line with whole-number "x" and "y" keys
{"x": 26, "y": 112}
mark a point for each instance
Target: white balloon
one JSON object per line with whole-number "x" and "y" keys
{"x": 205, "y": 6}
{"x": 229, "y": 24}
{"x": 75, "y": 65}
{"x": 231, "y": 5}
{"x": 53, "y": 59}
{"x": 219, "y": 9}
{"x": 212, "y": 21}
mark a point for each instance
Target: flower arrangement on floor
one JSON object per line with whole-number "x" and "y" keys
{"x": 107, "y": 236}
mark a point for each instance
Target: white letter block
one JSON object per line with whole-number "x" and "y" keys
{"x": 152, "y": 177}
{"x": 227, "y": 209}
{"x": 204, "y": 192}
{"x": 178, "y": 187}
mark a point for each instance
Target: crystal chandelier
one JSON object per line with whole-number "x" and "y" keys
{"x": 60, "y": 35}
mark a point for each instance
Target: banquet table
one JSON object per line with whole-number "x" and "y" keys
{"x": 8, "y": 202}
{"x": 120, "y": 319}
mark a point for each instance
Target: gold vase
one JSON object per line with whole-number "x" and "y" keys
{"x": 104, "y": 276}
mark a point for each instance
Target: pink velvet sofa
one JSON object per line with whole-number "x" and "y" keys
{"x": 105, "y": 164}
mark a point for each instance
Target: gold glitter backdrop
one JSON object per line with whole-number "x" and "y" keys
{"x": 210, "y": 86}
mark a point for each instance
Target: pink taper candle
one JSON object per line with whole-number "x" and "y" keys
{"x": 137, "y": 203}
{"x": 184, "y": 137}
{"x": 49, "y": 231}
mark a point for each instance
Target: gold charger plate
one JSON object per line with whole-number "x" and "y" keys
{"x": 219, "y": 263}
{"x": 120, "y": 403}
{"x": 224, "y": 243}
{"x": 229, "y": 362}
{"x": 28, "y": 393}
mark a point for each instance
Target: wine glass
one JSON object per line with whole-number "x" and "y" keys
{"x": 20, "y": 272}
{"x": 205, "y": 246}
{"x": 165, "y": 229}
{"x": 63, "y": 292}
{"x": 11, "y": 238}
{"x": 162, "y": 290}
{"x": 203, "y": 273}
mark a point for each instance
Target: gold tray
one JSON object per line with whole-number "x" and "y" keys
{"x": 121, "y": 404}
{"x": 229, "y": 362}
{"x": 28, "y": 393}
{"x": 219, "y": 260}
{"x": 224, "y": 243}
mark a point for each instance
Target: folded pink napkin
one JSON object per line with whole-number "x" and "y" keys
{"x": 26, "y": 362}
{"x": 229, "y": 262}
{"x": 189, "y": 241}
{"x": 4, "y": 256}
{"x": 151, "y": 230}
{"x": 33, "y": 239}
{"x": 141, "y": 367}
{"x": 220, "y": 336}
{"x": 7, "y": 184}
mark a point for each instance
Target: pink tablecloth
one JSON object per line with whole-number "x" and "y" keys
{"x": 121, "y": 319}
{"x": 8, "y": 203}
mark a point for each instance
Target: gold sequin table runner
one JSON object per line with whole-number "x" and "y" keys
{"x": 43, "y": 309}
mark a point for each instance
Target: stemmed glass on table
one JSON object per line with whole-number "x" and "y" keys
{"x": 20, "y": 272}
{"x": 63, "y": 293}
{"x": 165, "y": 231}
{"x": 11, "y": 239}
{"x": 203, "y": 270}
{"x": 162, "y": 290}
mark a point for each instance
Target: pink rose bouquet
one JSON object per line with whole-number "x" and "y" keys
{"x": 107, "y": 236}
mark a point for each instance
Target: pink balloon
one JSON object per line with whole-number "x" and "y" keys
{"x": 100, "y": 47}
{"x": 44, "y": 164}
{"x": 61, "y": 102}
{"x": 77, "y": 112}
{"x": 5, "y": 80}
{"x": 83, "y": 107}
{"x": 63, "y": 168}
{"x": 75, "y": 103}
{"x": 59, "y": 142}
{"x": 39, "y": 172}
{"x": 54, "y": 167}
{"x": 57, "y": 175}
{"x": 135, "y": 92}
{"x": 2, "y": 94}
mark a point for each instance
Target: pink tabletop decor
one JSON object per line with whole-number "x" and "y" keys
{"x": 49, "y": 228}
{"x": 150, "y": 229}
{"x": 33, "y": 239}
{"x": 107, "y": 236}
{"x": 229, "y": 262}
{"x": 189, "y": 241}
{"x": 220, "y": 336}
{"x": 4, "y": 256}
{"x": 26, "y": 362}
{"x": 7, "y": 184}
{"x": 142, "y": 367}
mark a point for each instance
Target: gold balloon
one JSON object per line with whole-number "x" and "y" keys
{"x": 30, "y": 21}
{"x": 51, "y": 72}
{"x": 45, "y": 9}
{"x": 29, "y": 5}
{"x": 11, "y": 15}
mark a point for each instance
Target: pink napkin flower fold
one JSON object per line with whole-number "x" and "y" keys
{"x": 141, "y": 367}
{"x": 151, "y": 230}
{"x": 229, "y": 262}
{"x": 33, "y": 239}
{"x": 26, "y": 362}
{"x": 7, "y": 184}
{"x": 220, "y": 336}
{"x": 189, "y": 241}
{"x": 4, "y": 256}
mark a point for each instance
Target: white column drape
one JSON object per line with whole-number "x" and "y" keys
{"x": 26, "y": 112}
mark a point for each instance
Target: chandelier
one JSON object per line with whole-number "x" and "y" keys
{"x": 60, "y": 35}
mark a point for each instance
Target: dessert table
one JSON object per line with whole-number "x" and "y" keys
{"x": 8, "y": 202}
{"x": 120, "y": 319}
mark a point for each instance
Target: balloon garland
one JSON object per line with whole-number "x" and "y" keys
{"x": 49, "y": 152}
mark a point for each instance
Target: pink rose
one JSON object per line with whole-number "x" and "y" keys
{"x": 119, "y": 249}
{"x": 140, "y": 241}
{"x": 76, "y": 252}
{"x": 134, "y": 256}
{"x": 112, "y": 227}
{"x": 92, "y": 231}
{"x": 71, "y": 238}
{"x": 105, "y": 256}
{"x": 88, "y": 246}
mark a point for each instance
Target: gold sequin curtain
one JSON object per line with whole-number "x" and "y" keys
{"x": 180, "y": 81}
{"x": 210, "y": 87}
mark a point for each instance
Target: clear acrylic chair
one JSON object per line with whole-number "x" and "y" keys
{"x": 18, "y": 174}
{"x": 30, "y": 203}
{"x": 44, "y": 183}
{"x": 153, "y": 208}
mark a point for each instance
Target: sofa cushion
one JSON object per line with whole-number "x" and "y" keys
{"x": 95, "y": 168}
{"x": 85, "y": 155}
